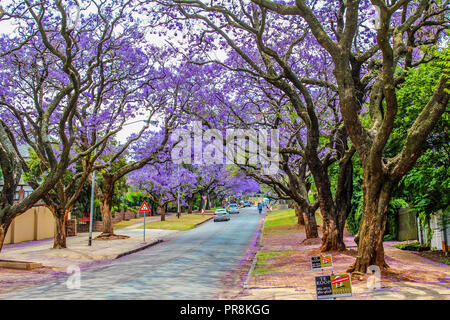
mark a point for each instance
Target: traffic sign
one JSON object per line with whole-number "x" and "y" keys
{"x": 204, "y": 197}
{"x": 144, "y": 207}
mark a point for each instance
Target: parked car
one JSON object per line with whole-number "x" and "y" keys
{"x": 221, "y": 215}
{"x": 234, "y": 208}
{"x": 247, "y": 204}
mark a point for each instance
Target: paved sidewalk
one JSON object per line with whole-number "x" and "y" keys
{"x": 78, "y": 251}
{"x": 190, "y": 265}
{"x": 402, "y": 291}
{"x": 288, "y": 275}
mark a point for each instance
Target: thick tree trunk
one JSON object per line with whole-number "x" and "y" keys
{"x": 299, "y": 214}
{"x": 333, "y": 237}
{"x": 336, "y": 215}
{"x": 60, "y": 234}
{"x": 373, "y": 224}
{"x": 309, "y": 218}
{"x": 208, "y": 203}
{"x": 3, "y": 230}
{"x": 105, "y": 208}
{"x": 191, "y": 204}
{"x": 162, "y": 210}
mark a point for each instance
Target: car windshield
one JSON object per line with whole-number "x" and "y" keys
{"x": 233, "y": 206}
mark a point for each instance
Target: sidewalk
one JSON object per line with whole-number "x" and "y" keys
{"x": 56, "y": 261}
{"x": 78, "y": 252}
{"x": 286, "y": 272}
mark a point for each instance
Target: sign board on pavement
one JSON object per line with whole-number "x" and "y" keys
{"x": 333, "y": 286}
{"x": 321, "y": 262}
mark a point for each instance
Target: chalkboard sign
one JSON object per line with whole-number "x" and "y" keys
{"x": 315, "y": 263}
{"x": 323, "y": 287}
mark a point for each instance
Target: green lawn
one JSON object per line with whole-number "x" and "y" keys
{"x": 284, "y": 217}
{"x": 185, "y": 222}
{"x": 263, "y": 259}
{"x": 415, "y": 244}
{"x": 445, "y": 260}
{"x": 123, "y": 224}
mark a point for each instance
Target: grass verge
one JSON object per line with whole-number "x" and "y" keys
{"x": 283, "y": 218}
{"x": 265, "y": 258}
{"x": 185, "y": 222}
{"x": 123, "y": 224}
{"x": 412, "y": 246}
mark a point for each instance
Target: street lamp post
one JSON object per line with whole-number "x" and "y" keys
{"x": 178, "y": 210}
{"x": 92, "y": 208}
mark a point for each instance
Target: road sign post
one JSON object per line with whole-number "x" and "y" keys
{"x": 205, "y": 199}
{"x": 144, "y": 208}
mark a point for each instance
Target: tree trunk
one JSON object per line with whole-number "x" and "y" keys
{"x": 208, "y": 203}
{"x": 162, "y": 210}
{"x": 336, "y": 215}
{"x": 373, "y": 224}
{"x": 61, "y": 234}
{"x": 333, "y": 237}
{"x": 309, "y": 218}
{"x": 3, "y": 230}
{"x": 191, "y": 204}
{"x": 299, "y": 214}
{"x": 105, "y": 208}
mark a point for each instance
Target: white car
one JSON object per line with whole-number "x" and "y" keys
{"x": 233, "y": 208}
{"x": 221, "y": 215}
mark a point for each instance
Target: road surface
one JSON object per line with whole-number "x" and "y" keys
{"x": 188, "y": 266}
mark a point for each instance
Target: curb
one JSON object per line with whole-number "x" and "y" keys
{"x": 138, "y": 249}
{"x": 252, "y": 267}
{"x": 196, "y": 225}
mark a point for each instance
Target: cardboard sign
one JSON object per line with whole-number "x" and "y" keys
{"x": 321, "y": 262}
{"x": 333, "y": 286}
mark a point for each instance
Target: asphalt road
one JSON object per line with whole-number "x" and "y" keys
{"x": 187, "y": 266}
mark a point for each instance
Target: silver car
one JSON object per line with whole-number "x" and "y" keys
{"x": 233, "y": 208}
{"x": 221, "y": 215}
